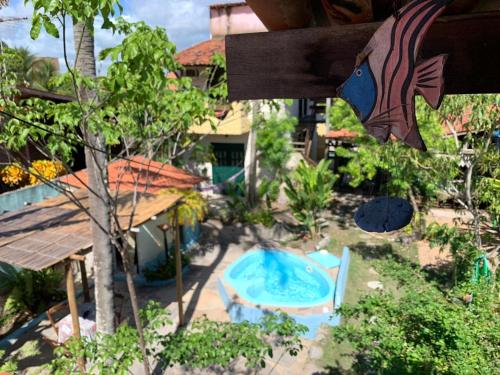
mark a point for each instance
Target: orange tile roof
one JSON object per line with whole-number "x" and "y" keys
{"x": 151, "y": 176}
{"x": 201, "y": 53}
{"x": 342, "y": 133}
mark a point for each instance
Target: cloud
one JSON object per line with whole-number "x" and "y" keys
{"x": 186, "y": 22}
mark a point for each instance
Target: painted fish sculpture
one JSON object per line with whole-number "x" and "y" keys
{"x": 386, "y": 78}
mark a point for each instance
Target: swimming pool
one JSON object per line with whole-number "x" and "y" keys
{"x": 276, "y": 278}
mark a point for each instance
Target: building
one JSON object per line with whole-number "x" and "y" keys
{"x": 231, "y": 143}
{"x": 146, "y": 176}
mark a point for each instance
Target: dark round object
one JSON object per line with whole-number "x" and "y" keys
{"x": 383, "y": 214}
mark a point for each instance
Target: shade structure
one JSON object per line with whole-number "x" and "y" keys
{"x": 384, "y": 214}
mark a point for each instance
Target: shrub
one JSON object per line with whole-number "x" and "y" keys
{"x": 241, "y": 211}
{"x": 203, "y": 344}
{"x": 309, "y": 192}
{"x": 424, "y": 330}
{"x": 193, "y": 209}
{"x": 164, "y": 270}
{"x": 27, "y": 290}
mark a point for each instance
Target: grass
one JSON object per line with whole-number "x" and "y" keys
{"x": 365, "y": 249}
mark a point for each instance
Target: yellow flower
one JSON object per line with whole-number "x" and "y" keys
{"x": 13, "y": 175}
{"x": 45, "y": 170}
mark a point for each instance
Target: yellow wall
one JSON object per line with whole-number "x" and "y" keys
{"x": 236, "y": 122}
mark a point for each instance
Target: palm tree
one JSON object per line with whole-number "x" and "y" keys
{"x": 24, "y": 67}
{"x": 99, "y": 202}
{"x": 100, "y": 205}
{"x": 42, "y": 72}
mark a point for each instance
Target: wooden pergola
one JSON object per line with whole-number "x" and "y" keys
{"x": 312, "y": 56}
{"x": 56, "y": 231}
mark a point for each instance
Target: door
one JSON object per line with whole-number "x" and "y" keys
{"x": 230, "y": 160}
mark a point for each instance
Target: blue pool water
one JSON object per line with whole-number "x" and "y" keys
{"x": 277, "y": 278}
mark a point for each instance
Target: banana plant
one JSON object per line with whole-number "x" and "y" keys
{"x": 310, "y": 191}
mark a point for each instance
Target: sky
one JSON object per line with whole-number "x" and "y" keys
{"x": 186, "y": 22}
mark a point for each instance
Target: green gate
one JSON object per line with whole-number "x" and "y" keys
{"x": 230, "y": 159}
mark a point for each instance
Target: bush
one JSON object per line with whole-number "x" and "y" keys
{"x": 203, "y": 344}
{"x": 239, "y": 209}
{"x": 259, "y": 216}
{"x": 32, "y": 291}
{"x": 424, "y": 330}
{"x": 164, "y": 270}
{"x": 194, "y": 207}
{"x": 310, "y": 191}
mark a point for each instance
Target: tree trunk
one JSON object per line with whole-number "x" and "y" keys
{"x": 419, "y": 222}
{"x": 472, "y": 208}
{"x": 252, "y": 171}
{"x": 96, "y": 161}
{"x": 135, "y": 308}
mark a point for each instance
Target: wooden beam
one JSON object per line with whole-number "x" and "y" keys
{"x": 312, "y": 62}
{"x": 178, "y": 267}
{"x": 85, "y": 283}
{"x": 80, "y": 258}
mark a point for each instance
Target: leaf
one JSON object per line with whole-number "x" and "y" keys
{"x": 50, "y": 27}
{"x": 36, "y": 26}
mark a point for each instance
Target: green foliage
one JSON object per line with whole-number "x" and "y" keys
{"x": 7, "y": 365}
{"x": 409, "y": 169}
{"x": 165, "y": 269}
{"x": 461, "y": 244}
{"x": 31, "y": 291}
{"x": 424, "y": 331}
{"x": 259, "y": 216}
{"x": 239, "y": 209}
{"x": 209, "y": 343}
{"x": 193, "y": 209}
{"x": 274, "y": 143}
{"x": 268, "y": 190}
{"x": 203, "y": 344}
{"x": 137, "y": 104}
{"x": 45, "y": 12}
{"x": 480, "y": 115}
{"x": 310, "y": 191}
{"x": 274, "y": 148}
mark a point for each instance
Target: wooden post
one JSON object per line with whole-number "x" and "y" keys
{"x": 73, "y": 308}
{"x": 178, "y": 267}
{"x": 85, "y": 283}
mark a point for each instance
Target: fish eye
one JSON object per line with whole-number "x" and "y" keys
{"x": 359, "y": 72}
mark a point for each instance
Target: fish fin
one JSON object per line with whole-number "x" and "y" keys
{"x": 364, "y": 53}
{"x": 414, "y": 139}
{"x": 380, "y": 132}
{"x": 430, "y": 81}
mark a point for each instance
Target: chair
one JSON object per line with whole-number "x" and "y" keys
{"x": 51, "y": 334}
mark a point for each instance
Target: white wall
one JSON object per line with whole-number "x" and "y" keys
{"x": 150, "y": 243}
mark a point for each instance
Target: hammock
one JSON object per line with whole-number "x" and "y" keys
{"x": 219, "y": 188}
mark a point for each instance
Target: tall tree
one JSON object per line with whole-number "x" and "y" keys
{"x": 82, "y": 15}
{"x": 24, "y": 66}
{"x": 97, "y": 169}
{"x": 135, "y": 105}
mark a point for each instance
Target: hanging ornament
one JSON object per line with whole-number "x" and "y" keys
{"x": 383, "y": 214}
{"x": 386, "y": 77}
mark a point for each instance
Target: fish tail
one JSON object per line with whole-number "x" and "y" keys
{"x": 414, "y": 139}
